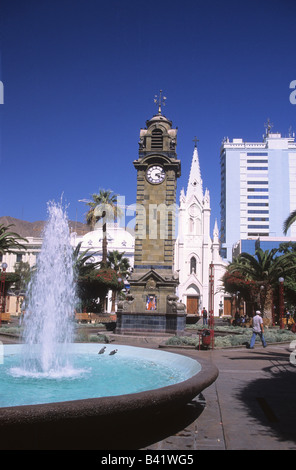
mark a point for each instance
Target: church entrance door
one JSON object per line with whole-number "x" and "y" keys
{"x": 192, "y": 305}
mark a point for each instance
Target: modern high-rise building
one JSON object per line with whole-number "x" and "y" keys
{"x": 258, "y": 189}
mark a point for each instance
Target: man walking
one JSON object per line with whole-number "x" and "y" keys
{"x": 258, "y": 329}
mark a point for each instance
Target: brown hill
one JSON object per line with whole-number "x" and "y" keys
{"x": 34, "y": 229}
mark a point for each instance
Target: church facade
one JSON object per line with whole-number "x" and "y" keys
{"x": 197, "y": 258}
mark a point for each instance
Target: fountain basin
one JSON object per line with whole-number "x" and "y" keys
{"x": 108, "y": 422}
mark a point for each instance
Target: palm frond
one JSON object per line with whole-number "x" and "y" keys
{"x": 10, "y": 241}
{"x": 289, "y": 221}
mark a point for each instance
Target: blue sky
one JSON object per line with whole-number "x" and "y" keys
{"x": 80, "y": 77}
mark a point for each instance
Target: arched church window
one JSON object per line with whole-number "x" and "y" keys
{"x": 192, "y": 265}
{"x": 157, "y": 139}
{"x": 191, "y": 225}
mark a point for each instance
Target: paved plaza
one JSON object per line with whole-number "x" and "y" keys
{"x": 249, "y": 407}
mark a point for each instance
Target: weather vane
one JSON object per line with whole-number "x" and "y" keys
{"x": 159, "y": 100}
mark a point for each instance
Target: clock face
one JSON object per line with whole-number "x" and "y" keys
{"x": 155, "y": 174}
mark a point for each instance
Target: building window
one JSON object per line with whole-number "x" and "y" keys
{"x": 192, "y": 265}
{"x": 255, "y": 168}
{"x": 258, "y": 219}
{"x": 258, "y": 212}
{"x": 255, "y": 154}
{"x": 157, "y": 139}
{"x": 258, "y": 197}
{"x": 257, "y": 204}
{"x": 257, "y": 182}
{"x": 259, "y": 190}
{"x": 19, "y": 257}
{"x": 258, "y": 234}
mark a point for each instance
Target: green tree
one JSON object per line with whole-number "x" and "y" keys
{"x": 84, "y": 268}
{"x": 290, "y": 280}
{"x": 10, "y": 241}
{"x": 262, "y": 272}
{"x": 83, "y": 261}
{"x": 103, "y": 207}
{"x": 96, "y": 284}
{"x": 94, "y": 280}
{"x": 120, "y": 265}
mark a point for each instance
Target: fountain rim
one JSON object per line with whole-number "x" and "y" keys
{"x": 156, "y": 399}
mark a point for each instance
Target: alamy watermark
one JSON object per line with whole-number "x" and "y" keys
{"x": 293, "y": 93}
{"x": 1, "y": 353}
{"x": 154, "y": 221}
{"x": 293, "y": 353}
{"x": 1, "y": 93}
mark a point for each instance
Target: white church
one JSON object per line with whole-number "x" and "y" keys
{"x": 197, "y": 260}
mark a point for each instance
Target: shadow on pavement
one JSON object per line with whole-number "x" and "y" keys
{"x": 270, "y": 399}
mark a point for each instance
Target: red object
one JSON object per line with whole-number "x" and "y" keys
{"x": 208, "y": 338}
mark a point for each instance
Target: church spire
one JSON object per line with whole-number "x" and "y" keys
{"x": 195, "y": 181}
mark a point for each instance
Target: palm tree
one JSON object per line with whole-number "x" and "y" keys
{"x": 103, "y": 207}
{"x": 10, "y": 241}
{"x": 264, "y": 269}
{"x": 289, "y": 221}
{"x": 121, "y": 265}
{"x": 83, "y": 261}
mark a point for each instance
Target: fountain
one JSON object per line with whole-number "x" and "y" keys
{"x": 48, "y": 324}
{"x": 58, "y": 394}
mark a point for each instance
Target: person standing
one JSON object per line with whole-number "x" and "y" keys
{"x": 204, "y": 316}
{"x": 258, "y": 329}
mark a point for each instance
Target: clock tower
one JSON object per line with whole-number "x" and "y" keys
{"x": 152, "y": 304}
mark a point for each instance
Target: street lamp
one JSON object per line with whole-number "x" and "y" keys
{"x": 281, "y": 302}
{"x": 237, "y": 307}
{"x": 262, "y": 295}
{"x": 2, "y": 290}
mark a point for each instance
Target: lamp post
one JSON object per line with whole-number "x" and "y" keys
{"x": 211, "y": 309}
{"x": 2, "y": 290}
{"x": 262, "y": 295}
{"x": 281, "y": 302}
{"x": 237, "y": 308}
{"x": 115, "y": 293}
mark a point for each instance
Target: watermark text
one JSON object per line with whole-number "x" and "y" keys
{"x": 1, "y": 93}
{"x": 152, "y": 221}
{"x": 293, "y": 93}
{"x": 293, "y": 353}
{"x": 1, "y": 353}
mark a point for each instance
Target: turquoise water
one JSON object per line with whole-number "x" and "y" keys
{"x": 90, "y": 375}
